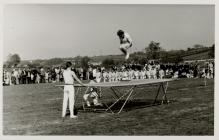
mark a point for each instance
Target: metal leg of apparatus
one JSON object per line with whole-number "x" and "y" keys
{"x": 130, "y": 93}
{"x": 158, "y": 91}
{"x": 164, "y": 93}
{"x": 120, "y": 98}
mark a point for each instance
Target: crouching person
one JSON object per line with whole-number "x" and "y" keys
{"x": 69, "y": 91}
{"x": 93, "y": 94}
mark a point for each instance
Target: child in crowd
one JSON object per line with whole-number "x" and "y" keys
{"x": 154, "y": 72}
{"x": 105, "y": 75}
{"x": 136, "y": 74}
{"x": 98, "y": 76}
{"x": 161, "y": 73}
{"x": 124, "y": 75}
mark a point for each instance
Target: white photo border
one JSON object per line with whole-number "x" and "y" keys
{"x": 186, "y": 2}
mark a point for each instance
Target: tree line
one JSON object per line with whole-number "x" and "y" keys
{"x": 153, "y": 51}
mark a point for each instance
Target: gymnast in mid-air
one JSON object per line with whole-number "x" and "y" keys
{"x": 125, "y": 42}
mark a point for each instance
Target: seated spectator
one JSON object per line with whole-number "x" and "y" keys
{"x": 161, "y": 73}
{"x": 154, "y": 73}
{"x": 125, "y": 75}
{"x": 136, "y": 74}
{"x": 98, "y": 76}
{"x": 176, "y": 74}
{"x": 105, "y": 75}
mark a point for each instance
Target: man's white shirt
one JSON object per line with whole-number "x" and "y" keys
{"x": 68, "y": 76}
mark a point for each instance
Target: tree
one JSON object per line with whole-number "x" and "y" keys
{"x": 171, "y": 57}
{"x": 138, "y": 59}
{"x": 85, "y": 62}
{"x": 77, "y": 61}
{"x": 107, "y": 63}
{"x": 196, "y": 46}
{"x": 211, "y": 52}
{"x": 33, "y": 65}
{"x": 165, "y": 57}
{"x": 153, "y": 50}
{"x": 177, "y": 59}
{"x": 13, "y": 60}
{"x": 53, "y": 61}
{"x": 188, "y": 49}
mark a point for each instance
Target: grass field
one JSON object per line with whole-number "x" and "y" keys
{"x": 36, "y": 110}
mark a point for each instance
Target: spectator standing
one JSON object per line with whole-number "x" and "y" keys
{"x": 28, "y": 76}
{"x": 16, "y": 75}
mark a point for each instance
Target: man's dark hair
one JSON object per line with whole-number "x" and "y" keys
{"x": 120, "y": 32}
{"x": 68, "y": 64}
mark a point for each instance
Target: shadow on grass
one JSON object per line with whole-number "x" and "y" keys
{"x": 130, "y": 105}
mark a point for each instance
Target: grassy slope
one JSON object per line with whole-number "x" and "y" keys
{"x": 192, "y": 55}
{"x": 36, "y": 110}
{"x": 198, "y": 56}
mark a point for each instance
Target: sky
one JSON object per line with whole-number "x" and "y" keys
{"x": 44, "y": 31}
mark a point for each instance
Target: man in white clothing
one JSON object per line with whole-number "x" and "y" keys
{"x": 69, "y": 92}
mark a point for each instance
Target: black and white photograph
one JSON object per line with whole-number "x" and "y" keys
{"x": 88, "y": 69}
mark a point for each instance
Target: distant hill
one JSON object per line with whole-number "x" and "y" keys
{"x": 197, "y": 54}
{"x": 192, "y": 54}
{"x": 114, "y": 57}
{"x": 103, "y": 57}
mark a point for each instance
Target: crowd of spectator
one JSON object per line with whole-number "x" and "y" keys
{"x": 116, "y": 73}
{"x": 154, "y": 71}
{"x": 31, "y": 76}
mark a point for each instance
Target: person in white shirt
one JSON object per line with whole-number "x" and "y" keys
{"x": 89, "y": 72}
{"x": 151, "y": 73}
{"x": 211, "y": 70}
{"x": 16, "y": 75}
{"x": 118, "y": 76}
{"x": 154, "y": 72}
{"x": 203, "y": 73}
{"x": 98, "y": 76}
{"x": 125, "y": 42}
{"x": 81, "y": 72}
{"x": 94, "y": 72}
{"x": 37, "y": 78}
{"x": 47, "y": 77}
{"x": 110, "y": 75}
{"x": 161, "y": 73}
{"x": 142, "y": 74}
{"x": 176, "y": 73}
{"x": 69, "y": 91}
{"x": 136, "y": 74}
{"x": 105, "y": 74}
{"x": 124, "y": 75}
{"x": 131, "y": 74}
{"x": 167, "y": 72}
{"x": 32, "y": 78}
{"x": 148, "y": 73}
{"x": 57, "y": 71}
{"x": 8, "y": 78}
{"x": 113, "y": 76}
